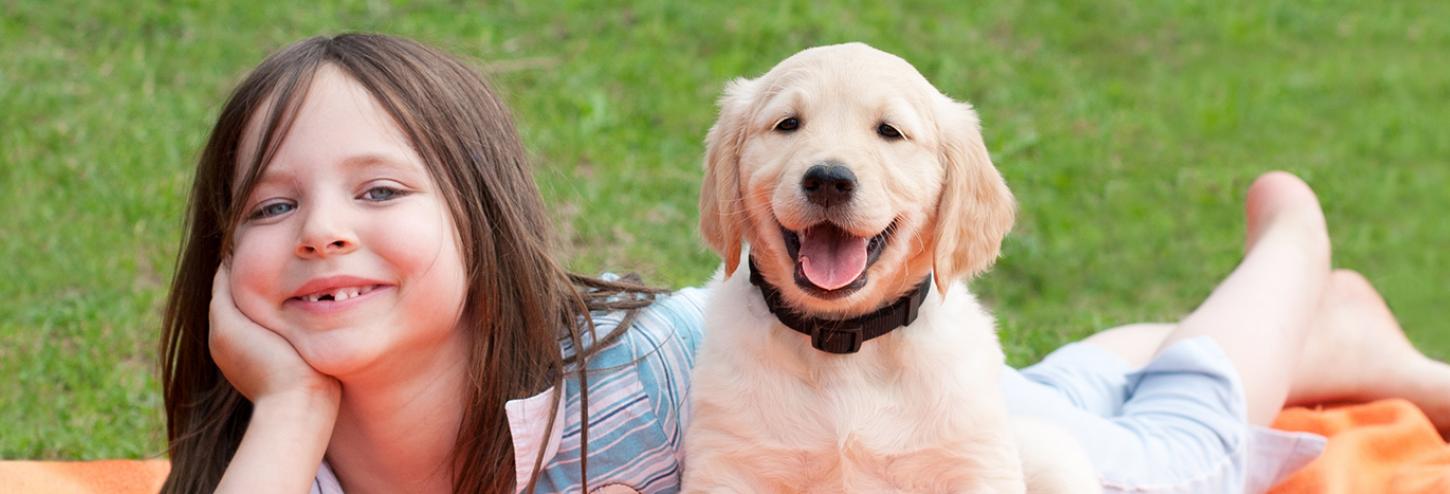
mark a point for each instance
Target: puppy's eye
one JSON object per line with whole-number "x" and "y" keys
{"x": 888, "y": 132}
{"x": 788, "y": 125}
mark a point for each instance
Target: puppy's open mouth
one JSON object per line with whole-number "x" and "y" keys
{"x": 831, "y": 262}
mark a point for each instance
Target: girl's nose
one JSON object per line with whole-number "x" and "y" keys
{"x": 321, "y": 249}
{"x": 322, "y": 236}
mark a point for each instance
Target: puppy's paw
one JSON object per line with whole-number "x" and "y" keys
{"x": 1052, "y": 460}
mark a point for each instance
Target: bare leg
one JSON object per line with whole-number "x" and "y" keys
{"x": 1134, "y": 343}
{"x": 1355, "y": 352}
{"x": 1261, "y": 313}
{"x": 1348, "y": 347}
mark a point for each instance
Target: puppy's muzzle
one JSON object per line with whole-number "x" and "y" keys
{"x": 828, "y": 184}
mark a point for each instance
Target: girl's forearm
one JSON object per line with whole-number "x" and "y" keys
{"x": 284, "y": 444}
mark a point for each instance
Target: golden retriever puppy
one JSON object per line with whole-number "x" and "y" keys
{"x": 849, "y": 199}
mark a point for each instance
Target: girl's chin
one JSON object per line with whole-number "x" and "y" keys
{"x": 341, "y": 359}
{"x": 370, "y": 353}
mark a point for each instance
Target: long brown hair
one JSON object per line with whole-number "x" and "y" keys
{"x": 520, "y": 301}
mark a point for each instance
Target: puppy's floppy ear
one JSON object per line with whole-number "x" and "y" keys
{"x": 975, "y": 209}
{"x": 722, "y": 214}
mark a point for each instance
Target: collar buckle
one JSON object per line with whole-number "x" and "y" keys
{"x": 838, "y": 340}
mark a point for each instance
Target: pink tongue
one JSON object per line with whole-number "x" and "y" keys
{"x": 831, "y": 258}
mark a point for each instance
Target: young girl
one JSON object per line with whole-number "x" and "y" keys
{"x": 366, "y": 299}
{"x": 366, "y": 276}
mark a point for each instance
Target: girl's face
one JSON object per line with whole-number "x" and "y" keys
{"x": 346, "y": 246}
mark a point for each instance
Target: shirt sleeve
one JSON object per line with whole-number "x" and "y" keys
{"x": 666, "y": 336}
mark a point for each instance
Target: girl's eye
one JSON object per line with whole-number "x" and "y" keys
{"x": 888, "y": 132}
{"x": 788, "y": 125}
{"x": 381, "y": 193}
{"x": 272, "y": 209}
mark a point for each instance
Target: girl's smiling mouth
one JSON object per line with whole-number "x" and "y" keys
{"x": 339, "y": 294}
{"x": 335, "y": 293}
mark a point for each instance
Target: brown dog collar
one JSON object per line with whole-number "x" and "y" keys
{"x": 842, "y": 336}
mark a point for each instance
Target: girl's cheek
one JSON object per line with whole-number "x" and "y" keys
{"x": 417, "y": 239}
{"x": 422, "y": 243}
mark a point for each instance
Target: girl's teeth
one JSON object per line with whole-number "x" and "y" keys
{"x": 340, "y": 294}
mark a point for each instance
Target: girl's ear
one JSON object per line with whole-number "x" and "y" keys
{"x": 722, "y": 215}
{"x": 975, "y": 209}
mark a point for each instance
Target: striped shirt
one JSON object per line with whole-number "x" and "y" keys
{"x": 638, "y": 394}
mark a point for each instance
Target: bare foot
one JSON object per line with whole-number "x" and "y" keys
{"x": 1356, "y": 351}
{"x": 1280, "y": 199}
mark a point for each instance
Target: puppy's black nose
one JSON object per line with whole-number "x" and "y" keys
{"x": 828, "y": 184}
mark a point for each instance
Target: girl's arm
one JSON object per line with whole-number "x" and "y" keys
{"x": 294, "y": 406}
{"x": 283, "y": 445}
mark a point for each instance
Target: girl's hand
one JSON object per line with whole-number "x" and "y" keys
{"x": 294, "y": 406}
{"x": 257, "y": 361}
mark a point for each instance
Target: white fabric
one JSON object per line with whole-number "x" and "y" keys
{"x": 528, "y": 422}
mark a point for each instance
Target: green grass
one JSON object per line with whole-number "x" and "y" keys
{"x": 1128, "y": 130}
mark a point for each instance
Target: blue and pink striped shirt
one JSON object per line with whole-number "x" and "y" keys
{"x": 638, "y": 400}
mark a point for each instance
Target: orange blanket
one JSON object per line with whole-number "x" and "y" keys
{"x": 1384, "y": 447}
{"x": 1381, "y": 447}
{"x": 77, "y": 477}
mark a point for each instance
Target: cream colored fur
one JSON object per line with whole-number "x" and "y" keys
{"x": 916, "y": 410}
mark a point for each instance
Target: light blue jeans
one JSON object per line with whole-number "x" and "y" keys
{"x": 1177, "y": 425}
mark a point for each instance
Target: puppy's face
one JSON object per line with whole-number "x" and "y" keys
{"x": 851, "y": 178}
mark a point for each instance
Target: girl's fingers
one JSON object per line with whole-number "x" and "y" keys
{"x": 224, "y": 312}
{"x": 245, "y": 351}
{"x": 226, "y": 318}
{"x": 220, "y": 298}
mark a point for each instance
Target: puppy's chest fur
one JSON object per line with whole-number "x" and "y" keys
{"x": 919, "y": 409}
